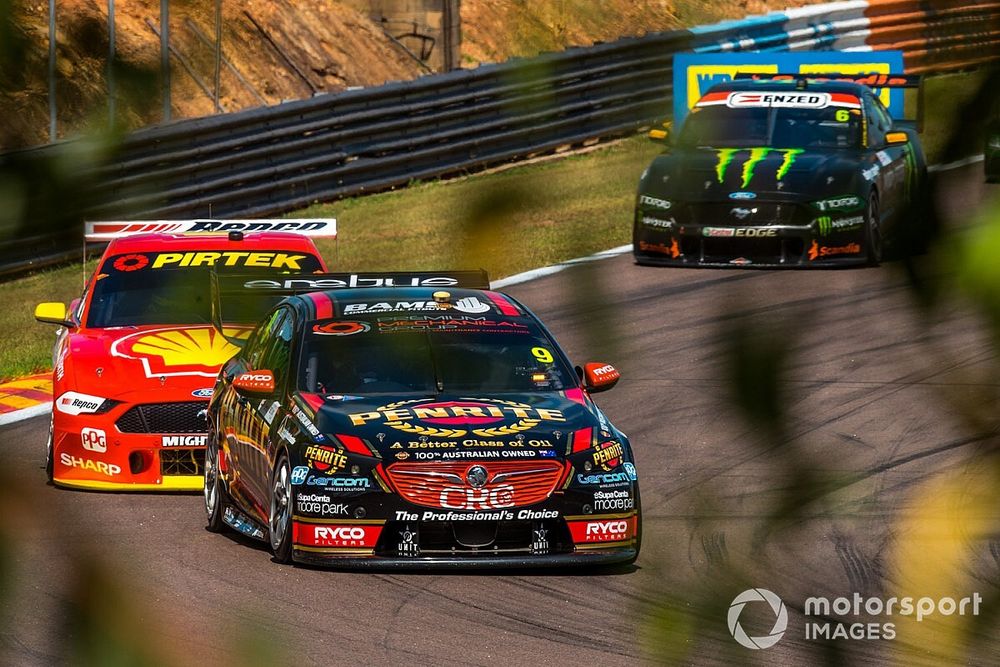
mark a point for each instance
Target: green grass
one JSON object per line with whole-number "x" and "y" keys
{"x": 506, "y": 222}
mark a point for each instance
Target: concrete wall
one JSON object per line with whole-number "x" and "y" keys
{"x": 430, "y": 29}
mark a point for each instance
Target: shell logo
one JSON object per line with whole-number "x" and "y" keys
{"x": 180, "y": 351}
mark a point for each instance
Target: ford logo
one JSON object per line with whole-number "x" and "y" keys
{"x": 742, "y": 195}
{"x": 203, "y": 393}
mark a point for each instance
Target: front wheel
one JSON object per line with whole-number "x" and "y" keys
{"x": 873, "y": 235}
{"x": 214, "y": 493}
{"x": 280, "y": 520}
{"x": 638, "y": 525}
{"x": 49, "y": 456}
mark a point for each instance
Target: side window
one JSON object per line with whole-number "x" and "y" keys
{"x": 876, "y": 126}
{"x": 278, "y": 354}
{"x": 884, "y": 118}
{"x": 263, "y": 338}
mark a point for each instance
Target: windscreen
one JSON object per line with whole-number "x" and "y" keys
{"x": 174, "y": 287}
{"x": 770, "y": 126}
{"x": 428, "y": 354}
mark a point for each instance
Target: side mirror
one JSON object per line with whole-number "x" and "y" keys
{"x": 255, "y": 383}
{"x": 896, "y": 138}
{"x": 599, "y": 377}
{"x": 53, "y": 313}
{"x": 660, "y": 135}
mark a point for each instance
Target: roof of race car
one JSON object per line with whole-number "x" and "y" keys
{"x": 201, "y": 241}
{"x": 341, "y": 303}
{"x": 848, "y": 87}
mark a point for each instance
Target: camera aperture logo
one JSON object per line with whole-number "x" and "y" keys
{"x": 855, "y": 617}
{"x": 780, "y": 622}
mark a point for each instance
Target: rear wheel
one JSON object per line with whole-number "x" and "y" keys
{"x": 873, "y": 236}
{"x": 215, "y": 494}
{"x": 280, "y": 520}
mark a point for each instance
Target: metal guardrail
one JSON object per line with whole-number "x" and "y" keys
{"x": 271, "y": 160}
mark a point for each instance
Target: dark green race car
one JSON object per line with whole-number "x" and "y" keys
{"x": 780, "y": 173}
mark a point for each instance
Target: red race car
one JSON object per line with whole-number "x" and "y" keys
{"x": 137, "y": 355}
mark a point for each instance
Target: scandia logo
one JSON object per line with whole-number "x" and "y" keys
{"x": 757, "y": 595}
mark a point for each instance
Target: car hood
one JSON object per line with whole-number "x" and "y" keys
{"x": 120, "y": 361}
{"x": 713, "y": 174}
{"x": 537, "y": 425}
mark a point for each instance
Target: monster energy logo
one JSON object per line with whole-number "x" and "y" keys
{"x": 828, "y": 225}
{"x": 726, "y": 156}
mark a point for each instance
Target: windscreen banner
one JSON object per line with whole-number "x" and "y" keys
{"x": 695, "y": 73}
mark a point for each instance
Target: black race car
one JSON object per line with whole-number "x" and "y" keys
{"x": 414, "y": 422}
{"x": 780, "y": 173}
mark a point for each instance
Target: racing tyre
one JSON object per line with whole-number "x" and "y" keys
{"x": 279, "y": 522}
{"x": 49, "y": 445}
{"x": 638, "y": 525}
{"x": 874, "y": 241}
{"x": 215, "y": 493}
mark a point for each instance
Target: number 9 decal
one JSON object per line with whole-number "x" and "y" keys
{"x": 843, "y": 115}
{"x": 542, "y": 355}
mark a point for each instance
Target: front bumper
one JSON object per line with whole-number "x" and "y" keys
{"x": 93, "y": 452}
{"x": 760, "y": 244}
{"x": 583, "y": 559}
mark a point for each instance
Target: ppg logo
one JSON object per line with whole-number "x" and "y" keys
{"x": 299, "y": 474}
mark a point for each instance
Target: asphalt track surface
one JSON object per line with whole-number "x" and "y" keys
{"x": 875, "y": 395}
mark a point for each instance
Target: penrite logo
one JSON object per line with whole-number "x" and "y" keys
{"x": 754, "y": 157}
{"x": 608, "y": 455}
{"x": 450, "y": 419}
{"x": 780, "y": 622}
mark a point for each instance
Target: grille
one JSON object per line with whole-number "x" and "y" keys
{"x": 768, "y": 249}
{"x": 764, "y": 213}
{"x": 443, "y": 484}
{"x": 182, "y": 461}
{"x": 163, "y": 418}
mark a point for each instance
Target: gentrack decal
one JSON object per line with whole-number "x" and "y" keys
{"x": 174, "y": 351}
{"x": 452, "y": 419}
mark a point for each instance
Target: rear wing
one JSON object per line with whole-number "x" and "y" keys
{"x": 248, "y": 296}
{"x": 108, "y": 230}
{"x": 877, "y": 82}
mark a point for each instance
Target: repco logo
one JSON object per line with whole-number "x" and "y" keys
{"x": 462, "y": 498}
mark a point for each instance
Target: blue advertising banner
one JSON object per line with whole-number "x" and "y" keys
{"x": 695, "y": 73}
